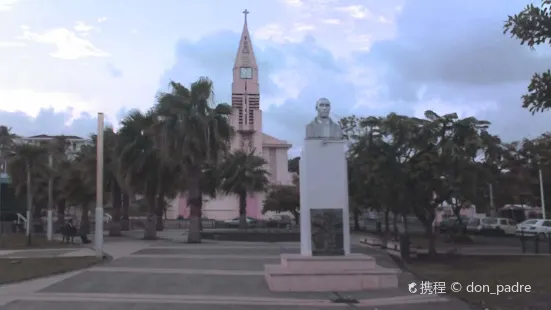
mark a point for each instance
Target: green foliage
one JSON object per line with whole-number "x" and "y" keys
{"x": 292, "y": 165}
{"x": 532, "y": 26}
{"x": 242, "y": 172}
{"x": 283, "y": 198}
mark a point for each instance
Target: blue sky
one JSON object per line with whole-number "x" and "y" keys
{"x": 62, "y": 61}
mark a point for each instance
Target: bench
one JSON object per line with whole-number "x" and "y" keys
{"x": 69, "y": 232}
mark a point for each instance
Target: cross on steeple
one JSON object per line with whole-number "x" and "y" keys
{"x": 246, "y": 12}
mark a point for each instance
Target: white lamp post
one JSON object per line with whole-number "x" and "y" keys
{"x": 99, "y": 189}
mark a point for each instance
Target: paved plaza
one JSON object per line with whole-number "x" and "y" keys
{"x": 209, "y": 276}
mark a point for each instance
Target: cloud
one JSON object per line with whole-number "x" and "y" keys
{"x": 342, "y": 27}
{"x": 356, "y": 11}
{"x": 12, "y": 44}
{"x": 82, "y": 27}
{"x": 67, "y": 43}
{"x": 6, "y": 5}
{"x": 31, "y": 102}
{"x": 101, "y": 19}
{"x": 113, "y": 71}
{"x": 48, "y": 121}
{"x": 459, "y": 62}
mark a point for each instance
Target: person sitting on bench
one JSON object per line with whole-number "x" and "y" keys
{"x": 69, "y": 232}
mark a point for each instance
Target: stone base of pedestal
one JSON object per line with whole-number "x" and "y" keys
{"x": 354, "y": 272}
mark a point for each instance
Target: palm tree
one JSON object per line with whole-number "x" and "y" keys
{"x": 78, "y": 183}
{"x": 191, "y": 134}
{"x": 57, "y": 153}
{"x": 112, "y": 149}
{"x": 6, "y": 141}
{"x": 29, "y": 159}
{"x": 139, "y": 163}
{"x": 243, "y": 174}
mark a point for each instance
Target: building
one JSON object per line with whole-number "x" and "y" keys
{"x": 74, "y": 143}
{"x": 247, "y": 121}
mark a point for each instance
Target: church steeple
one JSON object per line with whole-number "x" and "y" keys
{"x": 245, "y": 54}
{"x": 247, "y": 117}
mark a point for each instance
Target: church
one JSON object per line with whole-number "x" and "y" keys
{"x": 246, "y": 119}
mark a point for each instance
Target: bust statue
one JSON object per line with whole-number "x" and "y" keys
{"x": 323, "y": 127}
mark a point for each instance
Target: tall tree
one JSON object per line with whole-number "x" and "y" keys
{"x": 192, "y": 133}
{"x": 139, "y": 163}
{"x": 243, "y": 174}
{"x": 27, "y": 160}
{"x": 531, "y": 27}
{"x": 283, "y": 198}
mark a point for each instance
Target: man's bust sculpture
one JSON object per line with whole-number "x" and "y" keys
{"x": 323, "y": 127}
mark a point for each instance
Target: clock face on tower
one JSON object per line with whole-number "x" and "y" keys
{"x": 246, "y": 73}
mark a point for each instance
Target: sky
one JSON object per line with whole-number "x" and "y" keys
{"x": 63, "y": 61}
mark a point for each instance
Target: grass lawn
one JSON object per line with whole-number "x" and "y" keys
{"x": 492, "y": 270}
{"x": 19, "y": 241}
{"x": 19, "y": 269}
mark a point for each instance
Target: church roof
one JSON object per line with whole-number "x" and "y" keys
{"x": 245, "y": 53}
{"x": 268, "y": 140}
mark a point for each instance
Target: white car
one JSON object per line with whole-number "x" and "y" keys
{"x": 533, "y": 227}
{"x": 474, "y": 226}
{"x": 498, "y": 225}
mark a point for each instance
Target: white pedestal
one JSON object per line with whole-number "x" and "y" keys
{"x": 323, "y": 185}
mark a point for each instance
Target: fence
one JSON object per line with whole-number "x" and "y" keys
{"x": 538, "y": 243}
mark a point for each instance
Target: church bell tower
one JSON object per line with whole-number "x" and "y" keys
{"x": 247, "y": 116}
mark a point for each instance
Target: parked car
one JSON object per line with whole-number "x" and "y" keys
{"x": 533, "y": 227}
{"x": 280, "y": 221}
{"x": 474, "y": 226}
{"x": 453, "y": 223}
{"x": 235, "y": 222}
{"x": 499, "y": 226}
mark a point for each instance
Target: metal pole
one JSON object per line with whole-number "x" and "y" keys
{"x": 492, "y": 198}
{"x": 542, "y": 195}
{"x": 49, "y": 217}
{"x": 99, "y": 189}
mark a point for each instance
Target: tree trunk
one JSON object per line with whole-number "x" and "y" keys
{"x": 125, "y": 222}
{"x": 243, "y": 210}
{"x": 406, "y": 226}
{"x": 356, "y": 213}
{"x": 432, "y": 240}
{"x": 195, "y": 203}
{"x": 395, "y": 225}
{"x": 115, "y": 225}
{"x": 85, "y": 220}
{"x": 150, "y": 231}
{"x": 60, "y": 213}
{"x": 29, "y": 206}
{"x": 387, "y": 221}
{"x": 296, "y": 215}
{"x": 160, "y": 208}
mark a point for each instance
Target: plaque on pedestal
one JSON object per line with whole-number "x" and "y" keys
{"x": 327, "y": 232}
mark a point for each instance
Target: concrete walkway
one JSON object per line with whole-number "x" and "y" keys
{"x": 209, "y": 276}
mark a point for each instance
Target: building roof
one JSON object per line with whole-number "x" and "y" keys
{"x": 268, "y": 140}
{"x": 245, "y": 53}
{"x": 43, "y": 136}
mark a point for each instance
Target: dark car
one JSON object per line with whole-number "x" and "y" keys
{"x": 454, "y": 224}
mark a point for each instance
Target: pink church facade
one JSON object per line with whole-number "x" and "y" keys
{"x": 247, "y": 121}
